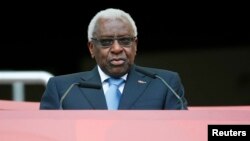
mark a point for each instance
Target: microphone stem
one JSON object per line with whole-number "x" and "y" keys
{"x": 178, "y": 97}
{"x": 66, "y": 93}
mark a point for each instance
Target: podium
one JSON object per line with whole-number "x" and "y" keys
{"x": 102, "y": 125}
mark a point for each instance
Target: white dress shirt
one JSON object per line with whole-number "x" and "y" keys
{"x": 105, "y": 84}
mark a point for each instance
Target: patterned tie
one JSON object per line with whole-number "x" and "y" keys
{"x": 113, "y": 94}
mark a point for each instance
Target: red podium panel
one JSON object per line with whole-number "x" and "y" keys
{"x": 114, "y": 125}
{"x": 18, "y": 105}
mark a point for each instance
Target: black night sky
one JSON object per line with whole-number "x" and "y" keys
{"x": 53, "y": 37}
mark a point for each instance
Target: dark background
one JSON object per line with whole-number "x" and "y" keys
{"x": 192, "y": 39}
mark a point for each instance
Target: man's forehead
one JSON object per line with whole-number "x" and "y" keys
{"x": 114, "y": 28}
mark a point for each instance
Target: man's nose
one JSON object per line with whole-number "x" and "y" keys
{"x": 116, "y": 47}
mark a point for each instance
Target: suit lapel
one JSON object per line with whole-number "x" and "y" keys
{"x": 135, "y": 85}
{"x": 95, "y": 97}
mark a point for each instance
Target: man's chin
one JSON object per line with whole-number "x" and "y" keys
{"x": 118, "y": 71}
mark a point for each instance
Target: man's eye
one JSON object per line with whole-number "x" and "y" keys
{"x": 125, "y": 41}
{"x": 106, "y": 42}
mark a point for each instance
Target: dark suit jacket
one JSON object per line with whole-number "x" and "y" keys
{"x": 140, "y": 92}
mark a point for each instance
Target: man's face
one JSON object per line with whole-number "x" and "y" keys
{"x": 115, "y": 57}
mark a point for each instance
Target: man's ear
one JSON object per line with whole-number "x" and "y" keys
{"x": 91, "y": 49}
{"x": 136, "y": 44}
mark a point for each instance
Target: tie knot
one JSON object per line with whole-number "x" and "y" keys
{"x": 115, "y": 81}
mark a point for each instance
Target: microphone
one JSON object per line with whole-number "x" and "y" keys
{"x": 154, "y": 76}
{"x": 80, "y": 84}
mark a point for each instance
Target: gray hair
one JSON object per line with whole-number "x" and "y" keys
{"x": 110, "y": 13}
